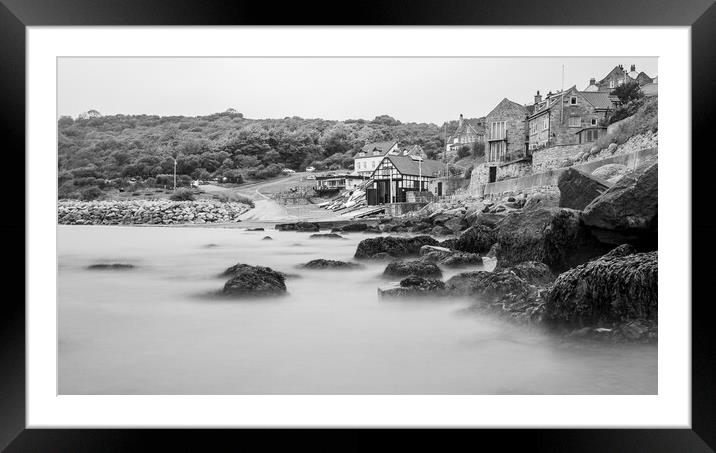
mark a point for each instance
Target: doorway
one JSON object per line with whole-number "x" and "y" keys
{"x": 493, "y": 174}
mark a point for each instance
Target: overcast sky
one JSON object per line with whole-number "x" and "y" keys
{"x": 409, "y": 89}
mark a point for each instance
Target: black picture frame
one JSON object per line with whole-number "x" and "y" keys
{"x": 16, "y": 15}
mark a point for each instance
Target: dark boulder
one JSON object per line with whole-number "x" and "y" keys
{"x": 621, "y": 250}
{"x": 533, "y": 272}
{"x": 253, "y": 281}
{"x": 490, "y": 220}
{"x": 395, "y": 246}
{"x": 489, "y": 285}
{"x": 382, "y": 256}
{"x": 326, "y": 236}
{"x": 627, "y": 212}
{"x": 415, "y": 287}
{"x": 578, "y": 189}
{"x": 298, "y": 226}
{"x": 267, "y": 238}
{"x": 542, "y": 200}
{"x": 554, "y": 236}
{"x": 448, "y": 243}
{"x": 330, "y": 264}
{"x": 255, "y": 229}
{"x": 110, "y": 267}
{"x": 502, "y": 292}
{"x": 418, "y": 268}
{"x": 441, "y": 230}
{"x": 476, "y": 239}
{"x": 609, "y": 290}
{"x": 461, "y": 259}
{"x": 350, "y": 227}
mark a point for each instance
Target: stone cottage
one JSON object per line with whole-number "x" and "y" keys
{"x": 506, "y": 150}
{"x": 467, "y": 132}
{"x": 568, "y": 118}
{"x": 618, "y": 76}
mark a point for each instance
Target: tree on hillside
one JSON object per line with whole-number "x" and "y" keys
{"x": 628, "y": 92}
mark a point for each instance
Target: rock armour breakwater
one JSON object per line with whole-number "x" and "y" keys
{"x": 153, "y": 212}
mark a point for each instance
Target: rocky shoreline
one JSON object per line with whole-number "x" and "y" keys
{"x": 148, "y": 212}
{"x": 580, "y": 271}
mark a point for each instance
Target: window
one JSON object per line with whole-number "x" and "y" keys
{"x": 497, "y": 151}
{"x": 545, "y": 122}
{"x": 573, "y": 100}
{"x": 575, "y": 121}
{"x": 497, "y": 130}
{"x": 594, "y": 121}
{"x": 611, "y": 84}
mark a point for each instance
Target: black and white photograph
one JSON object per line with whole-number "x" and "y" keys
{"x": 357, "y": 225}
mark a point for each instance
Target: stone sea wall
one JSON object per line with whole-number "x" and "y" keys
{"x": 152, "y": 212}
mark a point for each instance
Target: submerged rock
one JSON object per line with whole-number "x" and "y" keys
{"x": 267, "y": 238}
{"x": 417, "y": 268}
{"x": 578, "y": 189}
{"x": 298, "y": 226}
{"x": 326, "y": 236}
{"x": 350, "y": 227}
{"x": 395, "y": 246}
{"x": 330, "y": 264}
{"x": 254, "y": 281}
{"x": 110, "y": 267}
{"x": 255, "y": 229}
{"x": 610, "y": 290}
{"x": 415, "y": 287}
{"x": 554, "y": 236}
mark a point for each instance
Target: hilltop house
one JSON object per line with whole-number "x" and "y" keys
{"x": 567, "y": 118}
{"x": 467, "y": 133}
{"x": 619, "y": 76}
{"x": 368, "y": 158}
{"x": 395, "y": 176}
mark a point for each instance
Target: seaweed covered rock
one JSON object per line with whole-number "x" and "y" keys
{"x": 533, "y": 272}
{"x": 554, "y": 236}
{"x": 330, "y": 264}
{"x": 395, "y": 246}
{"x": 326, "y": 236}
{"x": 578, "y": 189}
{"x": 488, "y": 285}
{"x": 110, "y": 267}
{"x": 254, "y": 281}
{"x": 418, "y": 268}
{"x": 627, "y": 212}
{"x": 610, "y": 290}
{"x": 298, "y": 226}
{"x": 415, "y": 287}
{"x": 476, "y": 239}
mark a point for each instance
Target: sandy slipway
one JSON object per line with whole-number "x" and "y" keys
{"x": 152, "y": 212}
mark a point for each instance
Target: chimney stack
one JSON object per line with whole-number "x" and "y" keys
{"x": 459, "y": 124}
{"x": 538, "y": 98}
{"x": 592, "y": 81}
{"x": 633, "y": 67}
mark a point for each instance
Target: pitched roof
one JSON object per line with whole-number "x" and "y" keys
{"x": 512, "y": 105}
{"x": 415, "y": 149}
{"x": 650, "y": 89}
{"x": 383, "y": 147}
{"x": 599, "y": 99}
{"x": 408, "y": 166}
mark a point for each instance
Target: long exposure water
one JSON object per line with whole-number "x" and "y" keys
{"x": 156, "y": 329}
